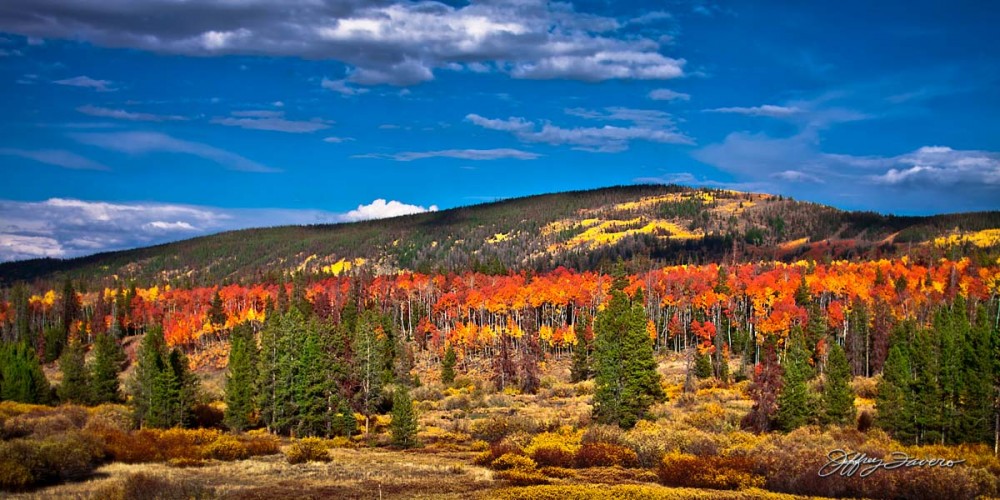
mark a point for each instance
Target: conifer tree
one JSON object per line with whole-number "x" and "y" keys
{"x": 75, "y": 385}
{"x": 703, "y": 366}
{"x": 268, "y": 364}
{"x": 145, "y": 384}
{"x": 21, "y": 376}
{"x": 70, "y": 305}
{"x": 311, "y": 405}
{"x": 796, "y": 405}
{"x": 217, "y": 314}
{"x": 838, "y": 396}
{"x": 448, "y": 365}
{"x": 764, "y": 390}
{"x": 367, "y": 350}
{"x": 344, "y": 423}
{"x": 895, "y": 404}
{"x": 404, "y": 420}
{"x": 241, "y": 379}
{"x": 976, "y": 400}
{"x": 582, "y": 350}
{"x": 627, "y": 382}
{"x": 55, "y": 341}
{"x": 105, "y": 369}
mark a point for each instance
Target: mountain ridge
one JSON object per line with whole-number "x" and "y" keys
{"x": 584, "y": 229}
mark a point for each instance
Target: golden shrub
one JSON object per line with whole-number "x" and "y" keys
{"x": 226, "y": 447}
{"x": 308, "y": 450}
{"x": 261, "y": 442}
{"x": 555, "y": 448}
{"x": 715, "y": 472}
{"x": 511, "y": 461}
{"x": 521, "y": 477}
{"x": 600, "y": 454}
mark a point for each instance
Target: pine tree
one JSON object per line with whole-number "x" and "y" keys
{"x": 925, "y": 357}
{"x": 627, "y": 382}
{"x": 216, "y": 313}
{"x": 241, "y": 379}
{"x": 894, "y": 404}
{"x": 105, "y": 369}
{"x": 582, "y": 350}
{"x": 703, "y": 366}
{"x": 367, "y": 349}
{"x": 70, "y": 305}
{"x": 796, "y": 405}
{"x": 21, "y": 376}
{"x": 838, "y": 396}
{"x": 185, "y": 390}
{"x": 19, "y": 297}
{"x": 448, "y": 365}
{"x": 75, "y": 386}
{"x": 404, "y": 420}
{"x": 344, "y": 423}
{"x": 55, "y": 341}
{"x": 975, "y": 421}
{"x": 146, "y": 385}
{"x": 312, "y": 410}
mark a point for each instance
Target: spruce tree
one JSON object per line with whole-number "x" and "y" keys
{"x": 70, "y": 305}
{"x": 75, "y": 386}
{"x": 448, "y": 365}
{"x": 312, "y": 410}
{"x": 975, "y": 422}
{"x": 703, "y": 366}
{"x": 145, "y": 385}
{"x": 21, "y": 376}
{"x": 582, "y": 350}
{"x": 796, "y": 405}
{"x": 267, "y": 371}
{"x": 766, "y": 386}
{"x": 367, "y": 350}
{"x": 185, "y": 390}
{"x": 627, "y": 382}
{"x": 894, "y": 404}
{"x": 241, "y": 379}
{"x": 838, "y": 396}
{"x": 105, "y": 369}
{"x": 55, "y": 341}
{"x": 404, "y": 420}
{"x": 216, "y": 313}
{"x": 344, "y": 423}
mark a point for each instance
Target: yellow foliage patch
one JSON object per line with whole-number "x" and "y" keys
{"x": 982, "y": 239}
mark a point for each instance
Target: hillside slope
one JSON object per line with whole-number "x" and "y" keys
{"x": 581, "y": 230}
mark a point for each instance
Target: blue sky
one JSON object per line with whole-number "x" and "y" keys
{"x": 131, "y": 122}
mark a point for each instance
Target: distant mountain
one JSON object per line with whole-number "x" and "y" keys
{"x": 647, "y": 224}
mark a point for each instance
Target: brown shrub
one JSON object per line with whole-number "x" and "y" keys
{"x": 604, "y": 434}
{"x": 31, "y": 462}
{"x": 618, "y": 475}
{"x": 186, "y": 462}
{"x": 142, "y": 486}
{"x": 511, "y": 461}
{"x": 865, "y": 421}
{"x": 130, "y": 447}
{"x": 600, "y": 454}
{"x": 308, "y": 450}
{"x": 109, "y": 416}
{"x": 208, "y": 415}
{"x": 715, "y": 472}
{"x": 558, "y": 472}
{"x": 865, "y": 387}
{"x": 260, "y": 442}
{"x": 519, "y": 477}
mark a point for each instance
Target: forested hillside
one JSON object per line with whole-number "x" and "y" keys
{"x": 584, "y": 230}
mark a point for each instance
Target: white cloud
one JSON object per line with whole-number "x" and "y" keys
{"x": 381, "y": 209}
{"x": 87, "y": 82}
{"x": 668, "y": 95}
{"x": 341, "y": 87}
{"x": 55, "y": 157}
{"x": 60, "y": 227}
{"x": 461, "y": 154}
{"x": 337, "y": 140}
{"x": 138, "y": 143}
{"x": 385, "y": 42}
{"x": 646, "y": 125}
{"x": 764, "y": 110}
{"x": 273, "y": 121}
{"x": 121, "y": 114}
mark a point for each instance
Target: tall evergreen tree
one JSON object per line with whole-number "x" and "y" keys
{"x": 19, "y": 297}
{"x": 311, "y": 404}
{"x": 796, "y": 404}
{"x": 105, "y": 369}
{"x": 404, "y": 420}
{"x": 216, "y": 313}
{"x": 894, "y": 404}
{"x": 55, "y": 338}
{"x": 241, "y": 379}
{"x": 21, "y": 376}
{"x": 838, "y": 396}
{"x": 764, "y": 392}
{"x": 976, "y": 400}
{"x": 448, "y": 365}
{"x": 627, "y": 382}
{"x": 367, "y": 350}
{"x": 145, "y": 384}
{"x": 583, "y": 350}
{"x": 186, "y": 387}
{"x": 75, "y": 386}
{"x": 70, "y": 305}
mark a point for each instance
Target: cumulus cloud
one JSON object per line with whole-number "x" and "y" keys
{"x": 381, "y": 209}
{"x": 930, "y": 178}
{"x": 645, "y": 125}
{"x": 87, "y": 82}
{"x": 121, "y": 114}
{"x": 271, "y": 120}
{"x": 55, "y": 157}
{"x": 668, "y": 95}
{"x": 384, "y": 42}
{"x": 60, "y": 227}
{"x": 138, "y": 143}
{"x": 461, "y": 154}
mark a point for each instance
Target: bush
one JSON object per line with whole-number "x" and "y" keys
{"x": 308, "y": 450}
{"x": 605, "y": 455}
{"x": 557, "y": 449}
{"x": 865, "y": 387}
{"x": 721, "y": 473}
{"x": 511, "y": 461}
{"x": 31, "y": 462}
{"x": 109, "y": 416}
{"x": 260, "y": 442}
{"x": 227, "y": 448}
{"x": 145, "y": 486}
